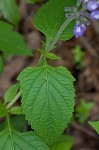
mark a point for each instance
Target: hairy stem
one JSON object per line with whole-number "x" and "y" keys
{"x": 14, "y": 100}
{"x": 60, "y": 31}
{"x": 52, "y": 44}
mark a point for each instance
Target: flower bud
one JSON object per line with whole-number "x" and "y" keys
{"x": 79, "y": 29}
{"x": 95, "y": 15}
{"x": 92, "y": 5}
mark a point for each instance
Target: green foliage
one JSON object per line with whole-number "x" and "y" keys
{"x": 14, "y": 140}
{"x": 65, "y": 142}
{"x": 95, "y": 125}
{"x": 11, "y": 139}
{"x": 17, "y": 110}
{"x": 47, "y": 100}
{"x": 47, "y": 92}
{"x": 51, "y": 17}
{"x": 48, "y": 55}
{"x": 10, "y": 11}
{"x": 32, "y": 1}
{"x": 3, "y": 110}
{"x": 12, "y": 42}
{"x": 52, "y": 56}
{"x": 1, "y": 64}
{"x": 17, "y": 121}
{"x": 11, "y": 93}
{"x": 83, "y": 110}
{"x": 78, "y": 56}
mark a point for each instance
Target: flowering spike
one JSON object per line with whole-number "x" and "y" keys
{"x": 84, "y": 10}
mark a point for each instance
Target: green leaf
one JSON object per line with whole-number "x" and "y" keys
{"x": 12, "y": 42}
{"x": 11, "y": 93}
{"x": 32, "y": 1}
{"x": 3, "y": 110}
{"x": 95, "y": 125}
{"x": 78, "y": 56}
{"x": 65, "y": 142}
{"x": 15, "y": 122}
{"x": 50, "y": 18}
{"x": 10, "y": 11}
{"x": 41, "y": 51}
{"x": 83, "y": 110}
{"x": 11, "y": 139}
{"x": 14, "y": 140}
{"x": 17, "y": 110}
{"x": 52, "y": 56}
{"x": 1, "y": 64}
{"x": 47, "y": 100}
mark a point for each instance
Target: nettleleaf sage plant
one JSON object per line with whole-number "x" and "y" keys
{"x": 47, "y": 92}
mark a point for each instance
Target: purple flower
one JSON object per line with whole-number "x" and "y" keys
{"x": 79, "y": 29}
{"x": 92, "y": 5}
{"x": 85, "y": 1}
{"x": 95, "y": 15}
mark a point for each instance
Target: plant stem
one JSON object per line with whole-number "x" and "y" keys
{"x": 14, "y": 100}
{"x": 60, "y": 31}
{"x": 51, "y": 45}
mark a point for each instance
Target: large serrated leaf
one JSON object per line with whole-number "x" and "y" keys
{"x": 10, "y": 11}
{"x": 51, "y": 17}
{"x": 12, "y": 42}
{"x": 14, "y": 140}
{"x": 47, "y": 100}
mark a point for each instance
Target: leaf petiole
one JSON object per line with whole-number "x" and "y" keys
{"x": 14, "y": 100}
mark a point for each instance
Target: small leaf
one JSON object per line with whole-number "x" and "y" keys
{"x": 65, "y": 142}
{"x": 78, "y": 55}
{"x": 10, "y": 11}
{"x": 47, "y": 100}
{"x": 3, "y": 110}
{"x": 1, "y": 64}
{"x": 50, "y": 18}
{"x": 17, "y": 110}
{"x": 41, "y": 51}
{"x": 11, "y": 93}
{"x": 52, "y": 56}
{"x": 83, "y": 110}
{"x": 12, "y": 42}
{"x": 95, "y": 125}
